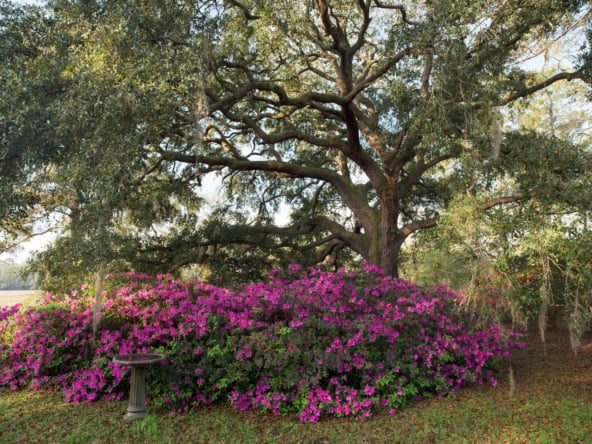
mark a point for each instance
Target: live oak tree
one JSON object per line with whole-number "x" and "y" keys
{"x": 367, "y": 117}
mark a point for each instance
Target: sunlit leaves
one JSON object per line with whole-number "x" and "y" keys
{"x": 370, "y": 115}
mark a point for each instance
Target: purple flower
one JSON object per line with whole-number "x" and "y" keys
{"x": 373, "y": 334}
{"x": 369, "y": 390}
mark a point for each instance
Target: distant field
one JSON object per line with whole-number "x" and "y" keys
{"x": 14, "y": 296}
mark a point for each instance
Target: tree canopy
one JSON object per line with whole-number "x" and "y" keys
{"x": 368, "y": 118}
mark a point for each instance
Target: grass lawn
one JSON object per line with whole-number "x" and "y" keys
{"x": 11, "y": 297}
{"x": 551, "y": 402}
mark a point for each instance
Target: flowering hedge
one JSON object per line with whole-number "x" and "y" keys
{"x": 310, "y": 341}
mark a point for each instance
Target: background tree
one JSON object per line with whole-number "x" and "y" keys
{"x": 11, "y": 279}
{"x": 366, "y": 117}
{"x": 524, "y": 259}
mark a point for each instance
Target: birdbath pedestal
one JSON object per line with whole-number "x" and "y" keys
{"x": 139, "y": 362}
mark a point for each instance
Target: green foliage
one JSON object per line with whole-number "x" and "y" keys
{"x": 369, "y": 122}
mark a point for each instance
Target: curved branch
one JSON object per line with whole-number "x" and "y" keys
{"x": 569, "y": 76}
{"x": 245, "y": 10}
{"x": 419, "y": 225}
{"x": 421, "y": 168}
{"x": 503, "y": 200}
{"x": 270, "y": 237}
{"x": 368, "y": 81}
{"x": 400, "y": 8}
{"x": 354, "y": 240}
{"x": 12, "y": 246}
{"x": 365, "y": 7}
{"x": 291, "y": 134}
{"x": 334, "y": 244}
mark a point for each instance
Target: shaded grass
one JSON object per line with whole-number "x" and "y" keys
{"x": 551, "y": 402}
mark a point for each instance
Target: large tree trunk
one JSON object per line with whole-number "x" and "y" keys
{"x": 387, "y": 240}
{"x": 390, "y": 247}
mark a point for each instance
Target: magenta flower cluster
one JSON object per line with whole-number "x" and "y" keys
{"x": 310, "y": 341}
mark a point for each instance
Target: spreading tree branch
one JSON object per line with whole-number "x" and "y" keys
{"x": 419, "y": 225}
{"x": 503, "y": 200}
{"x": 400, "y": 8}
{"x": 245, "y": 10}
{"x": 354, "y": 199}
{"x": 569, "y": 76}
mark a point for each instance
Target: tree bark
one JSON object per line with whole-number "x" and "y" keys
{"x": 98, "y": 302}
{"x": 390, "y": 248}
{"x": 387, "y": 239}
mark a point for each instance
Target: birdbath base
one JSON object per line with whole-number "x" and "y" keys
{"x": 139, "y": 362}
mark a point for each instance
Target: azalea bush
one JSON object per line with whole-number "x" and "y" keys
{"x": 310, "y": 341}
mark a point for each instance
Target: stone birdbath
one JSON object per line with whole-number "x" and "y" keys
{"x": 139, "y": 362}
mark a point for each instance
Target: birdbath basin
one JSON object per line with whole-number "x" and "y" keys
{"x": 139, "y": 362}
